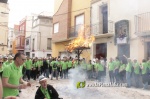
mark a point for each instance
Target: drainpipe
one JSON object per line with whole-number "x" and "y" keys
{"x": 40, "y": 42}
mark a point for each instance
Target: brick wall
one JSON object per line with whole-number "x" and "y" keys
{"x": 62, "y": 16}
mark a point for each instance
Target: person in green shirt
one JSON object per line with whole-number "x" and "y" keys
{"x": 28, "y": 66}
{"x": 54, "y": 65}
{"x": 122, "y": 72}
{"x": 145, "y": 76}
{"x": 46, "y": 91}
{"x": 34, "y": 68}
{"x": 59, "y": 68}
{"x": 111, "y": 68}
{"x": 41, "y": 67}
{"x": 89, "y": 69}
{"x": 12, "y": 77}
{"x": 37, "y": 65}
{"x": 75, "y": 63}
{"x": 64, "y": 65}
{"x": 70, "y": 65}
{"x": 128, "y": 71}
{"x": 99, "y": 70}
{"x": 9, "y": 61}
{"x": 83, "y": 65}
{"x": 136, "y": 67}
{"x": 1, "y": 67}
{"x": 116, "y": 69}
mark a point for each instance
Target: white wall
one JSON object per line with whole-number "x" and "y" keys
{"x": 96, "y": 16}
{"x": 40, "y": 33}
{"x": 127, "y": 9}
{"x": 28, "y": 26}
{"x": 3, "y": 27}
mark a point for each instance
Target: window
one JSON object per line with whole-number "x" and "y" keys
{"x": 27, "y": 41}
{"x": 56, "y": 27}
{"x": 45, "y": 21}
{"x": 36, "y": 22}
{"x": 48, "y": 55}
{"x": 79, "y": 21}
{"x": 105, "y": 18}
{"x": 33, "y": 55}
{"x": 49, "y": 45}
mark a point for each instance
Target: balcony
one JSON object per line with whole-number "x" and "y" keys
{"x": 20, "y": 42}
{"x": 19, "y": 47}
{"x": 142, "y": 24}
{"x": 19, "y": 34}
{"x": 95, "y": 29}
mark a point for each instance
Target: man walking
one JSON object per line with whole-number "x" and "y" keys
{"x": 12, "y": 77}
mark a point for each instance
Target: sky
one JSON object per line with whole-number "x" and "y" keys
{"x": 19, "y": 9}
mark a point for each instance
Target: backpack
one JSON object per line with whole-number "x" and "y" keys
{"x": 54, "y": 65}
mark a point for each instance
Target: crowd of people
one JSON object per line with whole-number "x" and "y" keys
{"x": 12, "y": 71}
{"x": 17, "y": 71}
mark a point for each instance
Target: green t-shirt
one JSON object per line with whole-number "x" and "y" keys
{"x": 144, "y": 70}
{"x": 89, "y": 67}
{"x": 59, "y": 63}
{"x": 136, "y": 68}
{"x": 45, "y": 92}
{"x": 64, "y": 65}
{"x": 116, "y": 64}
{"x": 52, "y": 64}
{"x": 129, "y": 67}
{"x": 1, "y": 68}
{"x": 122, "y": 67}
{"x": 38, "y": 63}
{"x": 111, "y": 66}
{"x": 28, "y": 64}
{"x": 148, "y": 64}
{"x": 70, "y": 64}
{"x": 34, "y": 65}
{"x": 75, "y": 64}
{"x": 5, "y": 64}
{"x": 99, "y": 67}
{"x": 41, "y": 63}
{"x": 83, "y": 65}
{"x": 13, "y": 74}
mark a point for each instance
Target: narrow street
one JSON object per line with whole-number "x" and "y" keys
{"x": 66, "y": 91}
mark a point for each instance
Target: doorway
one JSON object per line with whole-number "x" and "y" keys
{"x": 148, "y": 49}
{"x": 123, "y": 49}
{"x": 101, "y": 50}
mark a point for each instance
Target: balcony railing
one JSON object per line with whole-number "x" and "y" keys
{"x": 19, "y": 34}
{"x": 95, "y": 29}
{"x": 19, "y": 47}
{"x": 74, "y": 31}
{"x": 142, "y": 24}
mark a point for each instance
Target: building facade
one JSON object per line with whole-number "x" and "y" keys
{"x": 120, "y": 28}
{"x": 10, "y": 40}
{"x": 102, "y": 28}
{"x": 20, "y": 36}
{"x": 128, "y": 28}
{"x": 16, "y": 30}
{"x": 69, "y": 16}
{"x": 4, "y": 13}
{"x": 40, "y": 41}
